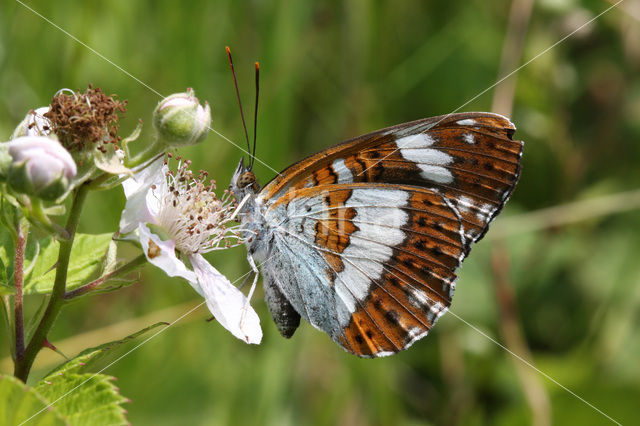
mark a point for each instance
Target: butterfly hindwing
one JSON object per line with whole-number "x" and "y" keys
{"x": 370, "y": 264}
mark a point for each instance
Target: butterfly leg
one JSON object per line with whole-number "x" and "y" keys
{"x": 244, "y": 280}
{"x": 255, "y": 271}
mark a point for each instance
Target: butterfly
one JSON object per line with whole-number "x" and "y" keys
{"x": 362, "y": 240}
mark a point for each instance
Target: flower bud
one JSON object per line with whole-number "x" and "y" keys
{"x": 180, "y": 119}
{"x": 39, "y": 166}
{"x": 34, "y": 124}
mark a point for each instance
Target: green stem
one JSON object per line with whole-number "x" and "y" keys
{"x": 36, "y": 211}
{"x": 124, "y": 269}
{"x": 18, "y": 279}
{"x": 23, "y": 364}
{"x": 153, "y": 151}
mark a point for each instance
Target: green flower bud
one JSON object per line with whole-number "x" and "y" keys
{"x": 39, "y": 167}
{"x": 180, "y": 120}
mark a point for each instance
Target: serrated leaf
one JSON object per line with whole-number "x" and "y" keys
{"x": 87, "y": 359}
{"x": 86, "y": 262}
{"x": 85, "y": 399}
{"x": 18, "y": 403}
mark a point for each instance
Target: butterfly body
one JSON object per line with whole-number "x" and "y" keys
{"x": 362, "y": 239}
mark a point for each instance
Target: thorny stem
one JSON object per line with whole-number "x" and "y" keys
{"x": 124, "y": 269}
{"x": 23, "y": 363}
{"x": 18, "y": 278}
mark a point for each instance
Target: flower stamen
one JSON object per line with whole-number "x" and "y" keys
{"x": 191, "y": 213}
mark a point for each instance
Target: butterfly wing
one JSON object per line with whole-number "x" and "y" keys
{"x": 467, "y": 152}
{"x": 372, "y": 265}
{"x": 367, "y": 235}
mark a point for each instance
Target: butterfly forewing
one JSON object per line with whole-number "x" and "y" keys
{"x": 369, "y": 233}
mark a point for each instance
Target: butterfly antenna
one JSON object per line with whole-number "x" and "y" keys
{"x": 255, "y": 115}
{"x": 235, "y": 83}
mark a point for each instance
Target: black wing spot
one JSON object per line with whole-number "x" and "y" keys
{"x": 391, "y": 316}
{"x": 425, "y": 270}
{"x": 437, "y": 251}
{"x": 377, "y": 304}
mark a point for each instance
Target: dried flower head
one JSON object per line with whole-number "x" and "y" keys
{"x": 85, "y": 120}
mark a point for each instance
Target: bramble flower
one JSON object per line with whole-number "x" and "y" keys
{"x": 39, "y": 166}
{"x": 180, "y": 119}
{"x": 178, "y": 216}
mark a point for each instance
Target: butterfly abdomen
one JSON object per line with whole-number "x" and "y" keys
{"x": 284, "y": 315}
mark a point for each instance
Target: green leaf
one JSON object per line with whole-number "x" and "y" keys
{"x": 85, "y": 399}
{"x": 18, "y": 403}
{"x": 6, "y": 255}
{"x": 87, "y": 359}
{"x": 5, "y": 289}
{"x": 86, "y": 262}
{"x": 82, "y": 397}
{"x": 8, "y": 317}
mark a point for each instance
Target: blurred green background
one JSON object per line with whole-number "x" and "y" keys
{"x": 560, "y": 288}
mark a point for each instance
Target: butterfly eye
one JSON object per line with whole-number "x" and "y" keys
{"x": 247, "y": 178}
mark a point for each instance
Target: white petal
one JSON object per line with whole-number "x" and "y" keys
{"x": 165, "y": 258}
{"x": 226, "y": 302}
{"x": 142, "y": 204}
{"x": 144, "y": 179}
{"x": 135, "y": 212}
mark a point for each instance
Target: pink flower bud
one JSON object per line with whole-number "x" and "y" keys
{"x": 40, "y": 166}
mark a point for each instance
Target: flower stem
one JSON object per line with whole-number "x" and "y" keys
{"x": 18, "y": 278}
{"x": 151, "y": 152}
{"x": 23, "y": 363}
{"x": 124, "y": 269}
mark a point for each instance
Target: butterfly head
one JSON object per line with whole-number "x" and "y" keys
{"x": 243, "y": 181}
